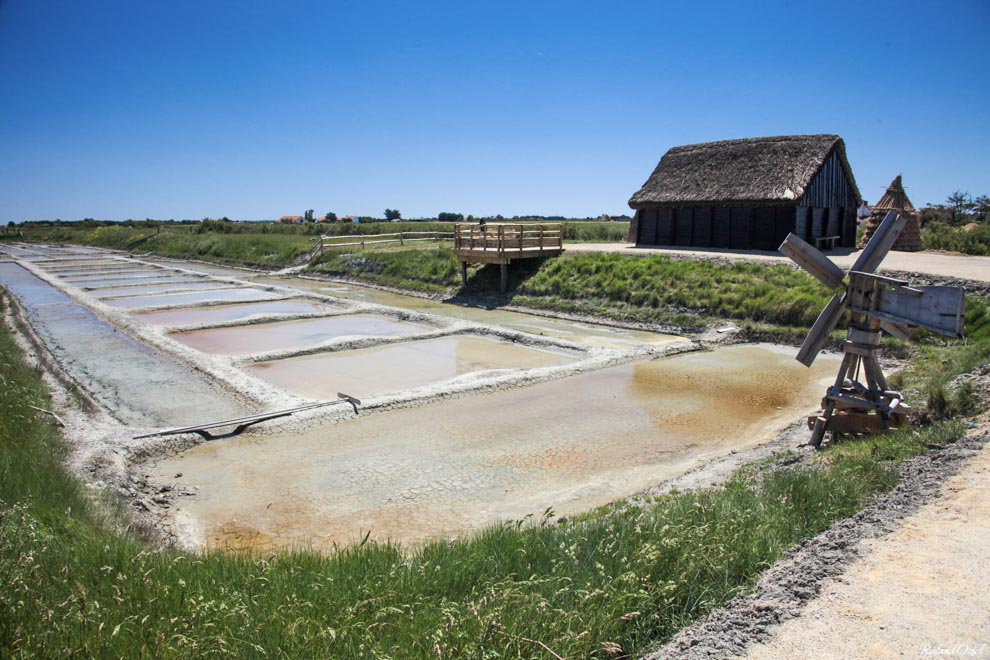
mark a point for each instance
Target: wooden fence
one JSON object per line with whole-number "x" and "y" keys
{"x": 401, "y": 237}
{"x": 508, "y": 238}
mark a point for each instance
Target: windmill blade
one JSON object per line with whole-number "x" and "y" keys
{"x": 902, "y": 332}
{"x": 812, "y": 260}
{"x": 940, "y": 309}
{"x": 880, "y": 244}
{"x": 818, "y": 334}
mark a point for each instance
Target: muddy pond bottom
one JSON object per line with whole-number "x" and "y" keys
{"x": 264, "y": 337}
{"x": 402, "y": 366}
{"x": 452, "y": 468}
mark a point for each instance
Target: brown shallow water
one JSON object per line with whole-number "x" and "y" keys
{"x": 386, "y": 369}
{"x": 263, "y": 337}
{"x": 455, "y": 467}
{"x": 221, "y": 313}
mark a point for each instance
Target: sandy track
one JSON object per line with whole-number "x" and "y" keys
{"x": 922, "y": 590}
{"x": 938, "y": 264}
{"x": 903, "y": 578}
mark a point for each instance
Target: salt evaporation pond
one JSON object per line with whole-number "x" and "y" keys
{"x": 401, "y": 366}
{"x": 164, "y": 287}
{"x": 264, "y": 337}
{"x": 180, "y": 299}
{"x": 223, "y": 313}
{"x": 459, "y": 466}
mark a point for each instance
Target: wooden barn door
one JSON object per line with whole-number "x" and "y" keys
{"x": 763, "y": 226}
{"x": 783, "y": 224}
{"x": 702, "y": 233}
{"x": 665, "y": 226}
{"x": 721, "y": 226}
{"x": 683, "y": 221}
{"x": 739, "y": 231}
{"x": 647, "y": 227}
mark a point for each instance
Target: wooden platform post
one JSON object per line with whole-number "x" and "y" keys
{"x": 505, "y": 276}
{"x": 464, "y": 273}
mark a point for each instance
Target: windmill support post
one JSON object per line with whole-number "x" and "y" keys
{"x": 859, "y": 400}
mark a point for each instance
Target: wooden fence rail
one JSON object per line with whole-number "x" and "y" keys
{"x": 403, "y": 237}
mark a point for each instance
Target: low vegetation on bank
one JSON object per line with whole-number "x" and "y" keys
{"x": 609, "y": 583}
{"x": 973, "y": 239}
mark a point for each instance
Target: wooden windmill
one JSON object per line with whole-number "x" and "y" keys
{"x": 875, "y": 303}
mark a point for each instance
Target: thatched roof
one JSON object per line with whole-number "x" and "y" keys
{"x": 769, "y": 169}
{"x": 895, "y": 199}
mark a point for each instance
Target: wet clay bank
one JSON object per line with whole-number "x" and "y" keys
{"x": 470, "y": 416}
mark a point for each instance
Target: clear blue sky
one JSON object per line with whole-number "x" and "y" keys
{"x": 249, "y": 109}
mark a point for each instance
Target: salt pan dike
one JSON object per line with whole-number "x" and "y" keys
{"x": 469, "y": 416}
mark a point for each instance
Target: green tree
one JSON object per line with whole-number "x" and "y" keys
{"x": 308, "y": 216}
{"x": 447, "y": 216}
{"x": 392, "y": 214}
{"x": 960, "y": 203}
{"x": 981, "y": 207}
{"x": 330, "y": 217}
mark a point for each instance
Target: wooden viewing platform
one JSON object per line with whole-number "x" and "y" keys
{"x": 501, "y": 243}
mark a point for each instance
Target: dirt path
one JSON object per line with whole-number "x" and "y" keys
{"x": 939, "y": 264}
{"x": 906, "y": 577}
{"x": 923, "y": 590}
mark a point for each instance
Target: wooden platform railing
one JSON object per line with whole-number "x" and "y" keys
{"x": 400, "y": 237}
{"x": 508, "y": 238}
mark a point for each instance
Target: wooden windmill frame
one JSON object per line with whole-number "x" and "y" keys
{"x": 876, "y": 304}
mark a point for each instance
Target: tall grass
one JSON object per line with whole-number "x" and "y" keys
{"x": 608, "y": 583}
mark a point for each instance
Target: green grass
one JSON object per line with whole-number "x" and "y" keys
{"x": 255, "y": 249}
{"x": 610, "y": 582}
{"x": 431, "y": 270}
{"x": 659, "y": 288}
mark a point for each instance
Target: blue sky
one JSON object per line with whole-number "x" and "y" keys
{"x": 124, "y": 109}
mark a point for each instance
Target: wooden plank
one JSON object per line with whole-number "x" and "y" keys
{"x": 648, "y": 227}
{"x": 880, "y": 243}
{"x": 802, "y": 224}
{"x": 901, "y": 332}
{"x": 817, "y": 222}
{"x": 763, "y": 228}
{"x": 702, "y": 232}
{"x": 940, "y": 309}
{"x": 721, "y": 227}
{"x": 740, "y": 226}
{"x": 665, "y": 226}
{"x": 813, "y": 261}
{"x": 819, "y": 332}
{"x": 683, "y": 224}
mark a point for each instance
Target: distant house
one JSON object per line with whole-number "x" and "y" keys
{"x": 748, "y": 194}
{"x": 291, "y": 219}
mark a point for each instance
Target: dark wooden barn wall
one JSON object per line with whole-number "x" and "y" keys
{"x": 830, "y": 187}
{"x": 741, "y": 228}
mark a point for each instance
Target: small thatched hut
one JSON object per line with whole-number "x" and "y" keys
{"x": 895, "y": 199}
{"x": 749, "y": 194}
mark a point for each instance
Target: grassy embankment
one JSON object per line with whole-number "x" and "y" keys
{"x": 608, "y": 583}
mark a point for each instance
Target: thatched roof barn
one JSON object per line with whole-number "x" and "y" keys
{"x": 748, "y": 194}
{"x": 895, "y": 199}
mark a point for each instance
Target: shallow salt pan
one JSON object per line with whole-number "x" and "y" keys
{"x": 222, "y": 313}
{"x": 396, "y": 367}
{"x": 265, "y": 337}
{"x": 453, "y": 467}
